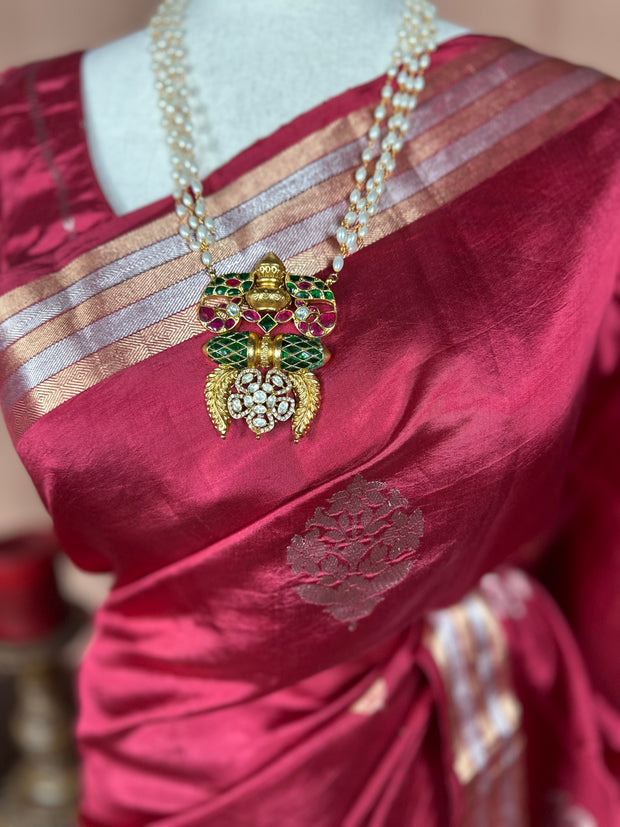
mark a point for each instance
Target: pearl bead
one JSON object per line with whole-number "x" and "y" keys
{"x": 337, "y": 264}
{"x": 350, "y": 217}
{"x": 206, "y": 258}
{"x": 194, "y": 245}
{"x": 380, "y": 113}
{"x": 387, "y": 92}
{"x": 184, "y": 231}
{"x": 180, "y": 210}
{"x": 341, "y": 235}
{"x": 363, "y": 217}
{"x": 351, "y": 241}
{"x": 419, "y": 83}
{"x": 355, "y": 196}
{"x": 362, "y": 231}
{"x": 193, "y": 222}
{"x": 374, "y": 132}
{"x": 366, "y": 155}
{"x": 360, "y": 175}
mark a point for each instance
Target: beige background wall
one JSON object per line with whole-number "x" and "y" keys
{"x": 584, "y": 32}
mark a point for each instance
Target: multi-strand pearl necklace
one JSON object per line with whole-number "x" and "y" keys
{"x": 269, "y": 295}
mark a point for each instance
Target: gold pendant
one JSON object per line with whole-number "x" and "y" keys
{"x": 266, "y": 297}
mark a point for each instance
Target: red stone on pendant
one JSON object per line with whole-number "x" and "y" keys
{"x": 302, "y": 327}
{"x": 316, "y": 329}
{"x": 206, "y": 314}
{"x": 216, "y": 325}
{"x": 229, "y": 324}
{"x": 251, "y": 315}
{"x": 232, "y": 282}
{"x": 327, "y": 319}
{"x": 284, "y": 316}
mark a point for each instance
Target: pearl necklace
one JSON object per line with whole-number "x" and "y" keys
{"x": 269, "y": 295}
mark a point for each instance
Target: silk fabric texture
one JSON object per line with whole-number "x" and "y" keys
{"x": 352, "y": 630}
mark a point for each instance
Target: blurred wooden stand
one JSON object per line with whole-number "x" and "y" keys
{"x": 41, "y": 788}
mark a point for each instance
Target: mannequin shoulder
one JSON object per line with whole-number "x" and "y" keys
{"x": 118, "y": 56}
{"x": 121, "y": 122}
{"x": 115, "y": 73}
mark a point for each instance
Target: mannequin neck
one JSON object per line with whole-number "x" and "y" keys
{"x": 252, "y": 68}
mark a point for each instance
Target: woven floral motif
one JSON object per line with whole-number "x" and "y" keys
{"x": 355, "y": 549}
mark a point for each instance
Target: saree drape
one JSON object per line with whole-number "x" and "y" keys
{"x": 352, "y": 630}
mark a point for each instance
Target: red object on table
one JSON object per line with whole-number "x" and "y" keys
{"x": 30, "y": 604}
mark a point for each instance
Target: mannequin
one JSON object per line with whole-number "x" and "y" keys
{"x": 242, "y": 87}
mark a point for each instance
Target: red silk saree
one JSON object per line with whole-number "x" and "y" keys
{"x": 352, "y": 630}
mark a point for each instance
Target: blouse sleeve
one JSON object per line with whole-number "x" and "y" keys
{"x": 585, "y": 567}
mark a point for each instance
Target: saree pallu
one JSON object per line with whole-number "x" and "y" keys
{"x": 349, "y": 631}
